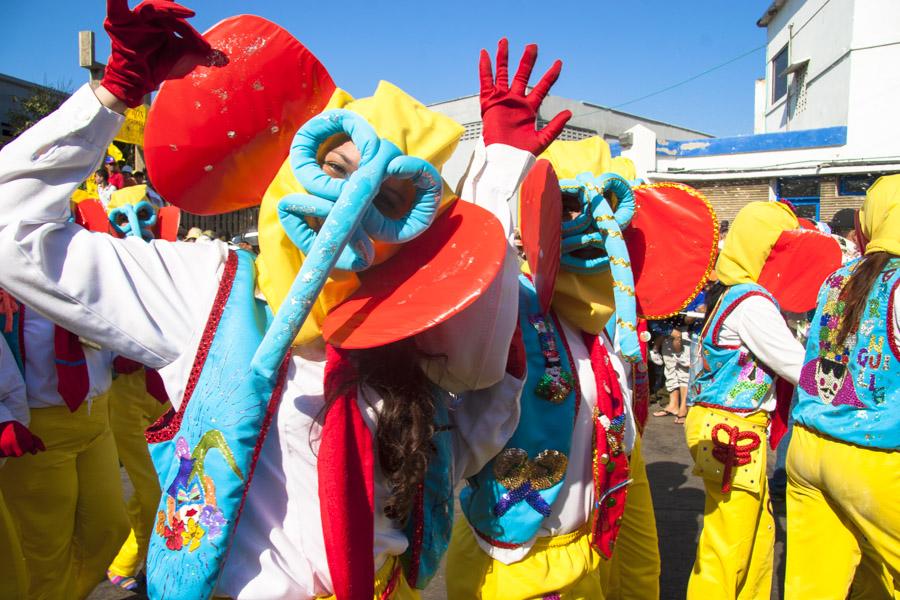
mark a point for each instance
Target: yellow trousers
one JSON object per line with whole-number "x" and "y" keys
{"x": 13, "y": 574}
{"x": 843, "y": 511}
{"x": 67, "y": 501}
{"x": 736, "y": 546}
{"x": 131, "y": 411}
{"x": 633, "y": 571}
{"x": 564, "y": 567}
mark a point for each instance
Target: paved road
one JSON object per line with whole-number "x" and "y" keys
{"x": 678, "y": 501}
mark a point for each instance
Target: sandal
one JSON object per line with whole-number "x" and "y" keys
{"x": 124, "y": 582}
{"x": 664, "y": 413}
{"x": 679, "y": 419}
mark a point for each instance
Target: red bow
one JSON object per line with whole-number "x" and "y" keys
{"x": 732, "y": 453}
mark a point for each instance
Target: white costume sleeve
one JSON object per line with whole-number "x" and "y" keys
{"x": 143, "y": 301}
{"x": 763, "y": 330}
{"x": 484, "y": 420}
{"x": 472, "y": 346}
{"x": 13, "y": 404}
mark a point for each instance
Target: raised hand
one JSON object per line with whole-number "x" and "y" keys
{"x": 16, "y": 440}
{"x": 509, "y": 113}
{"x": 146, "y": 45}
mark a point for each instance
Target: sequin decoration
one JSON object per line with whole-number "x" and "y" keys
{"x": 555, "y": 384}
{"x": 524, "y": 478}
{"x": 615, "y": 433}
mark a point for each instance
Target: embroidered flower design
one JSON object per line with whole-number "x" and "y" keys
{"x": 212, "y": 518}
{"x": 192, "y": 534}
{"x": 174, "y": 534}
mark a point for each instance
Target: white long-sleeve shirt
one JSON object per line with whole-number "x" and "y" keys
{"x": 756, "y": 325}
{"x": 150, "y": 302}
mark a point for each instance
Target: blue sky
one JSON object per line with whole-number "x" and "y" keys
{"x": 613, "y": 52}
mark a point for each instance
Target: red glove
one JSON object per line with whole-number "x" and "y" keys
{"x": 509, "y": 114}
{"x": 146, "y": 45}
{"x": 16, "y": 440}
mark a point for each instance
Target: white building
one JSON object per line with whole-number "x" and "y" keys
{"x": 827, "y": 115}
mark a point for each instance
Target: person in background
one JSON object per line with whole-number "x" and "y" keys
{"x": 844, "y": 457}
{"x": 128, "y": 179}
{"x": 673, "y": 353}
{"x": 104, "y": 187}
{"x": 193, "y": 235}
{"x": 115, "y": 173}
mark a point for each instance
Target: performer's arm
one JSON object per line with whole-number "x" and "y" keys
{"x": 13, "y": 404}
{"x": 763, "y": 330}
{"x": 473, "y": 344}
{"x": 140, "y": 300}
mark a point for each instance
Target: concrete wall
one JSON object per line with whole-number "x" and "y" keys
{"x": 821, "y": 31}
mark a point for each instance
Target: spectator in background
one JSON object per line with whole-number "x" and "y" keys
{"x": 156, "y": 200}
{"x": 128, "y": 176}
{"x": 674, "y": 354}
{"x": 193, "y": 234}
{"x": 104, "y": 187}
{"x": 115, "y": 173}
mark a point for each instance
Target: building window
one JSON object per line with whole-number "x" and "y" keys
{"x": 856, "y": 185}
{"x": 803, "y": 193}
{"x": 779, "y": 75}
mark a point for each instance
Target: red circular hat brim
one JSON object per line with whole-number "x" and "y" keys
{"x": 540, "y": 219}
{"x": 797, "y": 267}
{"x": 672, "y": 243}
{"x": 216, "y": 137}
{"x": 430, "y": 279}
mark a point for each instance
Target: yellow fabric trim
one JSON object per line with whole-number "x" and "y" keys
{"x": 750, "y": 240}
{"x": 573, "y": 158}
{"x": 129, "y": 195}
{"x": 879, "y": 216}
{"x": 585, "y": 300}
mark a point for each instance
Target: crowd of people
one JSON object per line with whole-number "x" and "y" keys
{"x": 296, "y": 419}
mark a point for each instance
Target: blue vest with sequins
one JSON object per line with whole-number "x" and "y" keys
{"x": 731, "y": 377}
{"x": 204, "y": 455}
{"x": 851, "y": 391}
{"x": 510, "y": 497}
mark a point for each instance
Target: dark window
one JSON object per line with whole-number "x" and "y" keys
{"x": 779, "y": 77}
{"x": 856, "y": 185}
{"x": 799, "y": 187}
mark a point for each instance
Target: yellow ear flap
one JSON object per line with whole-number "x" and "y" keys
{"x": 750, "y": 240}
{"x": 623, "y": 167}
{"x": 569, "y": 159}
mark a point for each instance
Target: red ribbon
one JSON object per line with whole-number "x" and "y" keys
{"x": 732, "y": 453}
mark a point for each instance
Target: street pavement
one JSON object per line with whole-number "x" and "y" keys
{"x": 678, "y": 503}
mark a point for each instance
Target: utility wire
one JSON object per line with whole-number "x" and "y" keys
{"x": 689, "y": 79}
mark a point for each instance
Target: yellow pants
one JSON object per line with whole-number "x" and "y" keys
{"x": 13, "y": 574}
{"x": 67, "y": 501}
{"x": 633, "y": 571}
{"x": 736, "y": 546}
{"x": 402, "y": 591}
{"x": 842, "y": 504}
{"x": 564, "y": 567}
{"x": 131, "y": 411}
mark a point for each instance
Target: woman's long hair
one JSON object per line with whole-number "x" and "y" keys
{"x": 406, "y": 427}
{"x": 857, "y": 290}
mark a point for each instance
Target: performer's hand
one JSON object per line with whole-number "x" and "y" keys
{"x": 16, "y": 440}
{"x": 508, "y": 113}
{"x": 146, "y": 45}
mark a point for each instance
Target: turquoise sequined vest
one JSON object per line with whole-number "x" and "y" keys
{"x": 509, "y": 498}
{"x": 851, "y": 391}
{"x": 731, "y": 378}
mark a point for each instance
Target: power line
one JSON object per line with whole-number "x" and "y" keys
{"x": 692, "y": 78}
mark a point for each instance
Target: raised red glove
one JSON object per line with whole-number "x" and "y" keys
{"x": 16, "y": 440}
{"x": 509, "y": 114}
{"x": 146, "y": 45}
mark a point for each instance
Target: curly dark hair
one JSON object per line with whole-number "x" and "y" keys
{"x": 404, "y": 436}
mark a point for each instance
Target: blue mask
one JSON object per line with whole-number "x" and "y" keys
{"x": 134, "y": 220}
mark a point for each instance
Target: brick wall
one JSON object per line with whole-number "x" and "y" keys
{"x": 830, "y": 201}
{"x": 729, "y": 196}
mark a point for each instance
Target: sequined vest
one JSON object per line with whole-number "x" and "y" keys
{"x": 731, "y": 378}
{"x": 851, "y": 391}
{"x": 509, "y": 498}
{"x": 204, "y": 454}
